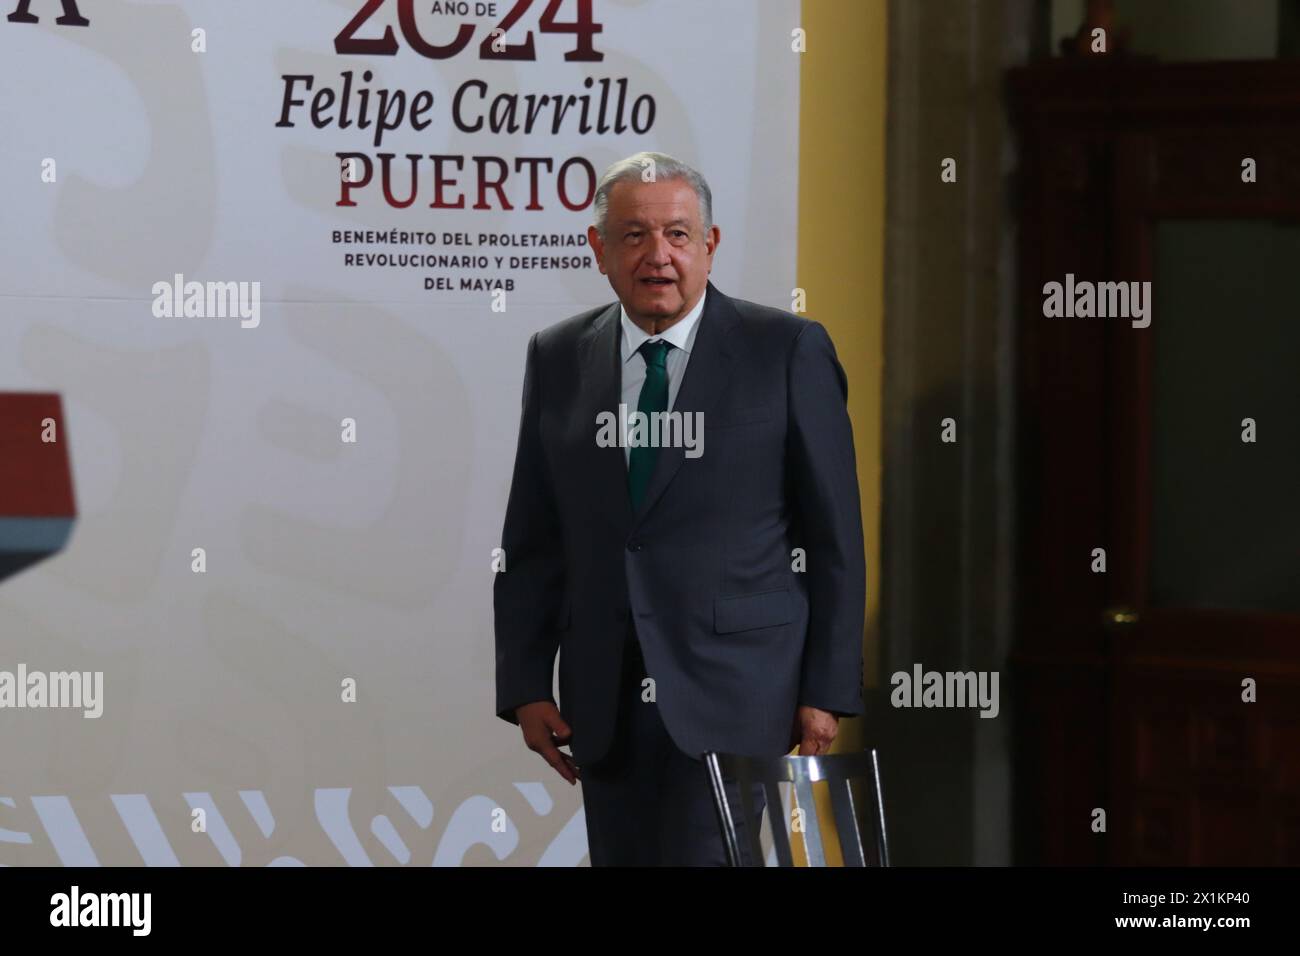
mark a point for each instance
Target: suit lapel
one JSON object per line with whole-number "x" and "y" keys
{"x": 601, "y": 364}
{"x": 707, "y": 372}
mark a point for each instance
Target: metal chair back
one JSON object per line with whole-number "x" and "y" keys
{"x": 839, "y": 770}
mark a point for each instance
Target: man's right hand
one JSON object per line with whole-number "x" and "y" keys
{"x": 545, "y": 732}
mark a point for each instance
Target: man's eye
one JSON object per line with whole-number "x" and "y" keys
{"x": 632, "y": 235}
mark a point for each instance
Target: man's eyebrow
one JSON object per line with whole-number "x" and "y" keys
{"x": 640, "y": 222}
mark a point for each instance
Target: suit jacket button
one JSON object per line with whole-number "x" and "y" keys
{"x": 635, "y": 546}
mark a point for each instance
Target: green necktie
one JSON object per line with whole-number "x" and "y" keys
{"x": 654, "y": 398}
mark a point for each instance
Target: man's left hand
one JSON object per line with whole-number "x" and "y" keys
{"x": 814, "y": 729}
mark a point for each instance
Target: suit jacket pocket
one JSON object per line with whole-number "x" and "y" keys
{"x": 747, "y": 612}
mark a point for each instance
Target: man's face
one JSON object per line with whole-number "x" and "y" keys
{"x": 656, "y": 251}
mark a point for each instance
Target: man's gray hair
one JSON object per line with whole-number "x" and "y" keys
{"x": 664, "y": 168}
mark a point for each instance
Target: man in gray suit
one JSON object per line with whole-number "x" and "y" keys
{"x": 705, "y": 588}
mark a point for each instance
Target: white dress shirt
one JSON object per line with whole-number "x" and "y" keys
{"x": 681, "y": 335}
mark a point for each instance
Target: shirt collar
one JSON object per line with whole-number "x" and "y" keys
{"x": 680, "y": 334}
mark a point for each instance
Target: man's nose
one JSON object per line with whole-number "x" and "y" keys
{"x": 660, "y": 251}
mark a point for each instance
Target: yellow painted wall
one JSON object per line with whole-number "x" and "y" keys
{"x": 842, "y": 247}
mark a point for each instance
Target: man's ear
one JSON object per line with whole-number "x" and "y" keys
{"x": 597, "y": 247}
{"x": 711, "y": 240}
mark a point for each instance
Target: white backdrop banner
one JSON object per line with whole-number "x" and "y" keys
{"x": 257, "y": 246}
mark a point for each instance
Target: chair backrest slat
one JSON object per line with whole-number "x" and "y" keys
{"x": 878, "y": 798}
{"x": 753, "y": 821}
{"x": 812, "y": 836}
{"x": 723, "y": 807}
{"x": 780, "y": 820}
{"x": 846, "y": 822}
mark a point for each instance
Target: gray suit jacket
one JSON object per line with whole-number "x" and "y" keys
{"x": 734, "y": 638}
